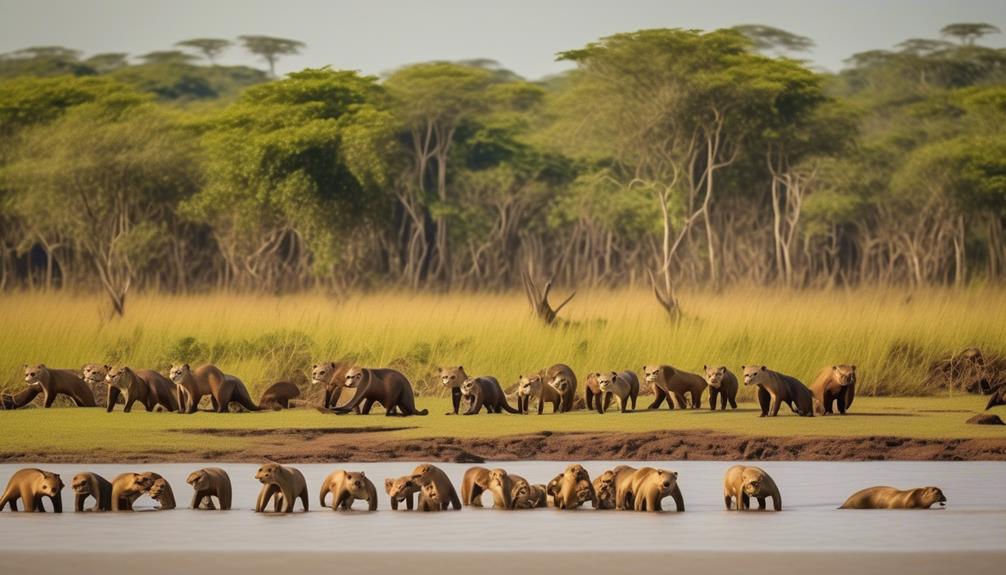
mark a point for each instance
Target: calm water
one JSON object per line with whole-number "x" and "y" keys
{"x": 974, "y": 519}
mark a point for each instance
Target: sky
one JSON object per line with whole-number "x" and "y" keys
{"x": 377, "y": 36}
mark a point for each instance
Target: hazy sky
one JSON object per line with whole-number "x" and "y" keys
{"x": 376, "y": 36}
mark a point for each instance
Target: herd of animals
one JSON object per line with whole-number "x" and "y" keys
{"x": 428, "y": 488}
{"x": 184, "y": 387}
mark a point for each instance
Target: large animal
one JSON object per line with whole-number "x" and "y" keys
{"x": 573, "y": 488}
{"x": 388, "y": 387}
{"x": 624, "y": 385}
{"x": 192, "y": 385}
{"x": 672, "y": 384}
{"x": 742, "y": 483}
{"x": 53, "y": 382}
{"x": 284, "y": 483}
{"x": 127, "y": 488}
{"x": 208, "y": 483}
{"x": 643, "y": 489}
{"x": 485, "y": 392}
{"x": 401, "y": 489}
{"x": 478, "y": 480}
{"x": 891, "y": 498}
{"x": 561, "y": 378}
{"x": 31, "y": 486}
{"x": 775, "y": 388}
{"x": 146, "y": 386}
{"x": 427, "y": 473}
{"x": 332, "y": 375}
{"x": 723, "y": 384}
{"x": 834, "y": 384}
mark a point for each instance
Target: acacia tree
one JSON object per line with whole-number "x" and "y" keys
{"x": 209, "y": 47}
{"x": 270, "y": 49}
{"x": 968, "y": 32}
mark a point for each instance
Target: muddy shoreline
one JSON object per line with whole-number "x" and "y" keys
{"x": 373, "y": 445}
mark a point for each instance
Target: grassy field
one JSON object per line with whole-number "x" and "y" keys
{"x": 890, "y": 334}
{"x": 83, "y": 431}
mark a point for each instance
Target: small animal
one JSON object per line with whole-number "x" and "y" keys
{"x": 388, "y": 387}
{"x": 346, "y": 487}
{"x": 532, "y": 386}
{"x": 561, "y": 378}
{"x": 426, "y": 473}
{"x": 401, "y": 489}
{"x": 478, "y": 480}
{"x": 672, "y": 384}
{"x": 998, "y": 397}
{"x": 127, "y": 488}
{"x": 91, "y": 485}
{"x": 723, "y": 383}
{"x": 485, "y": 392}
{"x": 775, "y": 388}
{"x": 891, "y": 498}
{"x": 624, "y": 385}
{"x": 208, "y": 483}
{"x": 834, "y": 384}
{"x": 278, "y": 395}
{"x": 285, "y": 483}
{"x": 743, "y": 483}
{"x": 160, "y": 491}
{"x": 332, "y": 375}
{"x": 646, "y": 487}
{"x": 452, "y": 378}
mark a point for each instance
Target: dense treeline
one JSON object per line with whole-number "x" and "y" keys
{"x": 665, "y": 158}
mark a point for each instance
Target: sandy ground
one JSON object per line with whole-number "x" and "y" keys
{"x": 322, "y": 445}
{"x": 496, "y": 563}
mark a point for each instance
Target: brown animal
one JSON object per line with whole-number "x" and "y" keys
{"x": 998, "y": 397}
{"x": 743, "y": 483}
{"x": 604, "y": 488}
{"x": 31, "y": 485}
{"x": 646, "y": 487}
{"x": 146, "y": 386}
{"x": 520, "y": 493}
{"x": 208, "y": 483}
{"x": 561, "y": 378}
{"x": 19, "y": 399}
{"x": 53, "y": 382}
{"x": 427, "y": 473}
{"x": 624, "y": 385}
{"x": 478, "y": 480}
{"x": 891, "y": 498}
{"x": 207, "y": 379}
{"x": 401, "y": 489}
{"x": 538, "y": 497}
{"x": 593, "y": 395}
{"x": 333, "y": 376}
{"x": 723, "y": 383}
{"x": 485, "y": 392}
{"x": 552, "y": 489}
{"x": 835, "y": 384}
{"x": 452, "y": 378}
{"x": 278, "y": 395}
{"x": 574, "y": 488}
{"x": 672, "y": 384}
{"x": 775, "y": 388}
{"x": 127, "y": 488}
{"x": 91, "y": 485}
{"x": 533, "y": 386}
{"x": 93, "y": 375}
{"x": 388, "y": 387}
{"x": 346, "y": 487}
{"x": 429, "y": 498}
{"x": 160, "y": 491}
{"x": 285, "y": 483}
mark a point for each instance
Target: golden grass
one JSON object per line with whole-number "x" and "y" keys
{"x": 88, "y": 431}
{"x": 891, "y": 335}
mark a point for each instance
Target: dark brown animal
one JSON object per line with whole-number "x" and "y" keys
{"x": 672, "y": 384}
{"x": 485, "y": 392}
{"x": 53, "y": 382}
{"x": 278, "y": 395}
{"x": 333, "y": 376}
{"x": 207, "y": 379}
{"x": 388, "y": 387}
{"x": 148, "y": 387}
{"x": 561, "y": 378}
{"x": 723, "y": 383}
{"x": 208, "y": 483}
{"x": 775, "y": 388}
{"x": 91, "y": 485}
{"x": 835, "y": 384}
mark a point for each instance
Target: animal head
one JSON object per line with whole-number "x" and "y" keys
{"x": 452, "y": 377}
{"x": 521, "y": 490}
{"x": 35, "y": 373}
{"x": 498, "y": 477}
{"x": 844, "y": 374}
{"x": 562, "y": 382}
{"x": 354, "y": 376}
{"x": 604, "y": 485}
{"x": 356, "y": 481}
{"x": 754, "y": 374}
{"x": 665, "y": 480}
{"x": 179, "y": 372}
{"x": 751, "y": 481}
{"x": 553, "y": 486}
{"x": 400, "y": 488}
{"x": 651, "y": 373}
{"x": 422, "y": 472}
{"x": 576, "y": 472}
{"x": 158, "y": 488}
{"x": 606, "y": 381}
{"x": 94, "y": 373}
{"x": 268, "y": 472}
{"x": 81, "y": 483}
{"x": 431, "y": 493}
{"x": 529, "y": 385}
{"x": 468, "y": 387}
{"x": 322, "y": 373}
{"x": 51, "y": 484}
{"x": 584, "y": 491}
{"x": 115, "y": 375}
{"x": 932, "y": 495}
{"x": 714, "y": 375}
{"x": 199, "y": 480}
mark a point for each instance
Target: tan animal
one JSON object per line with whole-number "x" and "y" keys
{"x": 53, "y": 382}
{"x": 208, "y": 483}
{"x": 574, "y": 488}
{"x": 478, "y": 480}
{"x": 146, "y": 386}
{"x": 672, "y": 384}
{"x": 286, "y": 483}
{"x": 430, "y": 500}
{"x": 401, "y": 489}
{"x": 742, "y": 483}
{"x": 521, "y": 493}
{"x": 192, "y": 385}
{"x": 624, "y": 385}
{"x": 93, "y": 375}
{"x": 485, "y": 392}
{"x": 834, "y": 384}
{"x": 346, "y": 487}
{"x": 452, "y": 378}
{"x": 775, "y": 388}
{"x": 723, "y": 383}
{"x": 561, "y": 378}
{"x": 426, "y": 473}
{"x": 160, "y": 491}
{"x": 532, "y": 386}
{"x": 31, "y": 485}
{"x": 388, "y": 387}
{"x": 91, "y": 485}
{"x": 604, "y": 488}
{"x": 278, "y": 396}
{"x": 594, "y": 398}
{"x": 891, "y": 498}
{"x": 332, "y": 375}
{"x": 127, "y": 488}
{"x": 646, "y": 487}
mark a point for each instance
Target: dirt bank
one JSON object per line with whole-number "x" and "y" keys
{"x": 373, "y": 444}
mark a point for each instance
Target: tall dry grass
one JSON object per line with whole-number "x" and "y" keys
{"x": 890, "y": 335}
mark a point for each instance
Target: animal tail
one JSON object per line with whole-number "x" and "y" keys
{"x": 507, "y": 408}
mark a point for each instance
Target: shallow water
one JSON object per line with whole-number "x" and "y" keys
{"x": 974, "y": 519}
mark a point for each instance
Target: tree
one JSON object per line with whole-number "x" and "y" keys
{"x": 967, "y": 32}
{"x": 767, "y": 38}
{"x": 209, "y": 47}
{"x": 108, "y": 61}
{"x": 167, "y": 57}
{"x": 270, "y": 49}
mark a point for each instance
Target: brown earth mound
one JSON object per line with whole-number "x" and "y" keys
{"x": 986, "y": 419}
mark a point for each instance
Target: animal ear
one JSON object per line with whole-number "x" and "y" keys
{"x": 763, "y": 368}
{"x": 315, "y": 366}
{"x": 332, "y": 364}
{"x": 107, "y": 367}
{"x": 704, "y": 367}
{"x": 26, "y": 366}
{"x": 186, "y": 366}
{"x": 362, "y": 474}
{"x": 461, "y": 368}
{"x": 388, "y": 482}
{"x": 834, "y": 367}
{"x": 854, "y": 368}
{"x": 743, "y": 367}
{"x": 42, "y": 365}
{"x": 614, "y": 375}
